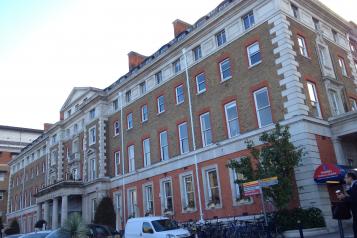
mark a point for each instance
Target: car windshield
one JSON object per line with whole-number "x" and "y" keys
{"x": 58, "y": 234}
{"x": 36, "y": 235}
{"x": 164, "y": 225}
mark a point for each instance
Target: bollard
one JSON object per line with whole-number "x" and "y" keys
{"x": 300, "y": 229}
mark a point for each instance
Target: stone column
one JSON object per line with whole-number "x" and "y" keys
{"x": 46, "y": 208}
{"x": 55, "y": 213}
{"x": 340, "y": 155}
{"x": 64, "y": 209}
{"x": 39, "y": 211}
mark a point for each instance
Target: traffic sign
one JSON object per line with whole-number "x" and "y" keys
{"x": 251, "y": 188}
{"x": 268, "y": 182}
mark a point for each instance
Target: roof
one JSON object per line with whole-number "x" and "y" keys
{"x": 78, "y": 92}
{"x": 154, "y": 218}
{"x": 22, "y": 129}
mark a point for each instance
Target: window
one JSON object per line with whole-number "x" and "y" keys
{"x": 75, "y": 146}
{"x": 302, "y": 46}
{"x": 254, "y": 55}
{"x": 248, "y": 20}
{"x": 147, "y": 228}
{"x": 132, "y": 206}
{"x": 146, "y": 152}
{"x": 167, "y": 196}
{"x": 92, "y": 135}
{"x": 335, "y": 102}
{"x": 117, "y": 162}
{"x": 2, "y": 176}
{"x": 92, "y": 169}
{"x": 176, "y": 66}
{"x": 201, "y": 83}
{"x": 143, "y": 87}
{"x": 148, "y": 200}
{"x": 115, "y": 104}
{"x": 37, "y": 170}
{"x": 144, "y": 113}
{"x": 116, "y": 128}
{"x": 212, "y": 186}
{"x": 225, "y": 69}
{"x": 188, "y": 193}
{"x": 295, "y": 10}
{"x": 69, "y": 112}
{"x": 324, "y": 56}
{"x": 92, "y": 114}
{"x": 206, "y": 130}
{"x": 314, "y": 99}
{"x": 335, "y": 35}
{"x": 75, "y": 128}
{"x": 54, "y": 139}
{"x": 131, "y": 156}
{"x": 180, "y": 96}
{"x": 236, "y": 193}
{"x": 197, "y": 53}
{"x": 341, "y": 63}
{"x": 232, "y": 119}
{"x": 54, "y": 155}
{"x": 316, "y": 23}
{"x": 164, "y": 146}
{"x": 353, "y": 103}
{"x": 128, "y": 96}
{"x": 262, "y": 106}
{"x": 129, "y": 121}
{"x": 183, "y": 138}
{"x": 352, "y": 47}
{"x": 160, "y": 104}
{"x": 221, "y": 37}
{"x": 158, "y": 77}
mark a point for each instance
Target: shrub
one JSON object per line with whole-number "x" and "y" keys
{"x": 13, "y": 229}
{"x": 105, "y": 213}
{"x": 309, "y": 218}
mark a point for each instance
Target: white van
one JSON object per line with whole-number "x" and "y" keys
{"x": 153, "y": 227}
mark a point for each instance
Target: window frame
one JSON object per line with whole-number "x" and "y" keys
{"x": 221, "y": 71}
{"x": 148, "y": 200}
{"x": 144, "y": 115}
{"x": 342, "y": 65}
{"x": 197, "y": 53}
{"x": 129, "y": 123}
{"x": 116, "y": 126}
{"x": 117, "y": 162}
{"x": 207, "y": 189}
{"x": 258, "y": 109}
{"x": 253, "y": 54}
{"x": 316, "y": 102}
{"x": 131, "y": 158}
{"x": 182, "y": 94}
{"x": 162, "y": 147}
{"x": 226, "y": 107}
{"x": 204, "y": 130}
{"x": 353, "y": 103}
{"x": 295, "y": 10}
{"x": 249, "y": 16}
{"x": 164, "y": 202}
{"x": 183, "y": 139}
{"x": 146, "y": 154}
{"x": 199, "y": 83}
{"x": 302, "y": 48}
{"x": 158, "y": 77}
{"x": 176, "y": 66}
{"x": 92, "y": 137}
{"x": 133, "y": 202}
{"x": 184, "y": 192}
{"x": 221, "y": 37}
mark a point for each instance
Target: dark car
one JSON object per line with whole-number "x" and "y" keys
{"x": 36, "y": 234}
{"x": 94, "y": 231}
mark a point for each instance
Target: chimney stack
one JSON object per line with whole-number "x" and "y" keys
{"x": 180, "y": 26}
{"x": 135, "y": 59}
{"x": 47, "y": 126}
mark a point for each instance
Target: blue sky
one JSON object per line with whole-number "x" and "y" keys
{"x": 47, "y": 47}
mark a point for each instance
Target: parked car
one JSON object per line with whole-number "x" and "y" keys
{"x": 36, "y": 234}
{"x": 94, "y": 231}
{"x": 14, "y": 236}
{"x": 154, "y": 227}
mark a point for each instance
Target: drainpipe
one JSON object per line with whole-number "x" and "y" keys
{"x": 122, "y": 152}
{"x": 193, "y": 134}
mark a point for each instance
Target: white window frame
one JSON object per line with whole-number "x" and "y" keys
{"x": 115, "y": 104}
{"x": 117, "y": 162}
{"x": 92, "y": 137}
{"x": 133, "y": 202}
{"x": 144, "y": 115}
{"x": 335, "y": 100}
{"x": 228, "y": 120}
{"x": 198, "y": 84}
{"x": 184, "y": 193}
{"x": 207, "y": 188}
{"x": 164, "y": 146}
{"x": 148, "y": 199}
{"x": 197, "y": 53}
{"x": 92, "y": 169}
{"x": 255, "y": 52}
{"x": 178, "y": 95}
{"x": 257, "y": 110}
{"x": 227, "y": 60}
{"x": 129, "y": 123}
{"x": 251, "y": 23}
{"x": 160, "y": 106}
{"x": 311, "y": 88}
{"x": 131, "y": 158}
{"x": 302, "y": 46}
{"x": 143, "y": 87}
{"x": 221, "y": 35}
{"x": 341, "y": 63}
{"x": 295, "y": 11}
{"x": 158, "y": 77}
{"x": 116, "y": 128}
{"x": 92, "y": 114}
{"x": 146, "y": 154}
{"x": 183, "y": 139}
{"x": 164, "y": 198}
{"x": 176, "y": 65}
{"x": 205, "y": 130}
{"x": 353, "y": 103}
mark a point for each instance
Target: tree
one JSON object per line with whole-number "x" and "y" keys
{"x": 276, "y": 157}
{"x": 75, "y": 227}
{"x": 105, "y": 213}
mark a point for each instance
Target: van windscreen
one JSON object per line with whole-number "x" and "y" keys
{"x": 164, "y": 225}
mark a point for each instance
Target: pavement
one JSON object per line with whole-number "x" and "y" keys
{"x": 348, "y": 234}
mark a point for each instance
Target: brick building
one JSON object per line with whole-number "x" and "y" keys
{"x": 158, "y": 139}
{"x": 12, "y": 140}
